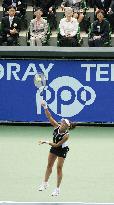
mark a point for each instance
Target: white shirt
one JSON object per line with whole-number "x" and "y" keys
{"x": 11, "y": 20}
{"x": 68, "y": 27}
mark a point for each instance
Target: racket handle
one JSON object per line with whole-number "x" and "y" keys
{"x": 44, "y": 104}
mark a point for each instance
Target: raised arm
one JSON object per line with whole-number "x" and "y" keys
{"x": 48, "y": 114}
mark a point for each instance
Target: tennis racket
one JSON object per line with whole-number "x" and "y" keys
{"x": 40, "y": 82}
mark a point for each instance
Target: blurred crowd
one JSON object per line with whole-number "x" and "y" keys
{"x": 44, "y": 22}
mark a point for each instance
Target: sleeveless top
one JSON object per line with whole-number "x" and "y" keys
{"x": 57, "y": 137}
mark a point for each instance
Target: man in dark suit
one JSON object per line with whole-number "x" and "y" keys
{"x": 102, "y": 4}
{"x": 10, "y": 27}
{"x": 111, "y": 15}
{"x": 99, "y": 31}
{"x": 19, "y": 4}
{"x": 49, "y": 10}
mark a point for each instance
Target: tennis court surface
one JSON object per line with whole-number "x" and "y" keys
{"x": 88, "y": 173}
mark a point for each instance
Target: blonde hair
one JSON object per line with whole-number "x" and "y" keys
{"x": 68, "y": 10}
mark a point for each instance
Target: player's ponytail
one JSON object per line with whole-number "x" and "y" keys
{"x": 72, "y": 125}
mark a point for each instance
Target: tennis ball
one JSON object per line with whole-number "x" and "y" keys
{"x": 39, "y": 79}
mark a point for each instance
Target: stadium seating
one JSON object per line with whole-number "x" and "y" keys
{"x": 53, "y": 38}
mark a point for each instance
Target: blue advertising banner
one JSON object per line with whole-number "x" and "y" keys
{"x": 79, "y": 90}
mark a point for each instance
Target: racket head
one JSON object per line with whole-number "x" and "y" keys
{"x": 39, "y": 80}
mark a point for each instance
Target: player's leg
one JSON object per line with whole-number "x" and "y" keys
{"x": 59, "y": 170}
{"x": 51, "y": 159}
{"x": 60, "y": 163}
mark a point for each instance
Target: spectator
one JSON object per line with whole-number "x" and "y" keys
{"x": 68, "y": 29}
{"x": 102, "y": 5}
{"x": 49, "y": 10}
{"x": 78, "y": 15}
{"x": 111, "y": 15}
{"x": 19, "y": 4}
{"x": 100, "y": 31}
{"x": 10, "y": 27}
{"x": 38, "y": 29}
{"x": 77, "y": 8}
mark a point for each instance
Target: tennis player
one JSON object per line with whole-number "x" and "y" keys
{"x": 59, "y": 149}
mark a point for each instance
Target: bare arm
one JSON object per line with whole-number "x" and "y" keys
{"x": 48, "y": 115}
{"x": 65, "y": 138}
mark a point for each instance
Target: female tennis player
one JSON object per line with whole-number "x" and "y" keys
{"x": 59, "y": 149}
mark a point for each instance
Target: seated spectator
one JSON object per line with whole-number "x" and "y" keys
{"x": 102, "y": 5}
{"x": 10, "y": 27}
{"x": 111, "y": 15}
{"x": 19, "y": 4}
{"x": 100, "y": 31}
{"x": 68, "y": 29}
{"x": 79, "y": 15}
{"x": 49, "y": 11}
{"x": 38, "y": 29}
{"x": 77, "y": 8}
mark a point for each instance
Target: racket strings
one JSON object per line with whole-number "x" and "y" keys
{"x": 40, "y": 80}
